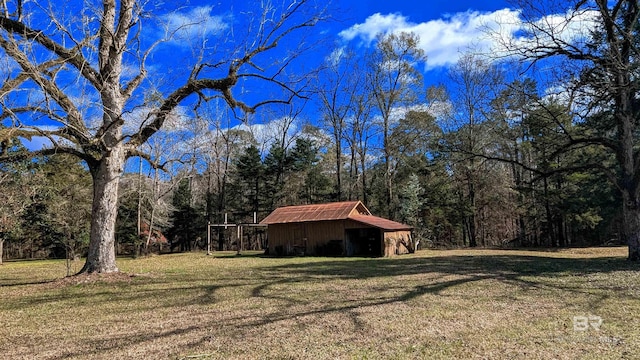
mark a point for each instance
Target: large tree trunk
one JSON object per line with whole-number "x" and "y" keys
{"x": 631, "y": 224}
{"x": 471, "y": 218}
{"x": 629, "y": 183}
{"x": 106, "y": 178}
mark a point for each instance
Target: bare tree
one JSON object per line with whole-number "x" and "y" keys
{"x": 474, "y": 82}
{"x": 360, "y": 130}
{"x": 175, "y": 157}
{"x": 336, "y": 94}
{"x": 227, "y": 146}
{"x": 64, "y": 63}
{"x": 598, "y": 45}
{"x": 15, "y": 195}
{"x": 396, "y": 84}
{"x": 221, "y": 145}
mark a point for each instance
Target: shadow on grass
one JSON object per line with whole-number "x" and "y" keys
{"x": 492, "y": 265}
{"x": 275, "y": 282}
{"x": 11, "y": 282}
{"x": 519, "y": 270}
{"x": 524, "y": 272}
{"x": 239, "y": 256}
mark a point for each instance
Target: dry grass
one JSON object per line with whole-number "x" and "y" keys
{"x": 482, "y": 304}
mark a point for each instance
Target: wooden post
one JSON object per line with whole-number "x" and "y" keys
{"x": 209, "y": 238}
{"x": 239, "y": 233}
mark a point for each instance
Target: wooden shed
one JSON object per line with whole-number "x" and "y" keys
{"x": 341, "y": 228}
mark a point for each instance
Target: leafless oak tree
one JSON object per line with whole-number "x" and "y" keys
{"x": 76, "y": 71}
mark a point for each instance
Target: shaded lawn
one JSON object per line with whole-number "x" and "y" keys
{"x": 433, "y": 304}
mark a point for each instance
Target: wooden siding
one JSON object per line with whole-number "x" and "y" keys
{"x": 303, "y": 238}
{"x": 396, "y": 242}
{"x": 312, "y": 238}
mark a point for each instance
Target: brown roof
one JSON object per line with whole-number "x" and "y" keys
{"x": 315, "y": 212}
{"x": 353, "y": 210}
{"x": 379, "y": 222}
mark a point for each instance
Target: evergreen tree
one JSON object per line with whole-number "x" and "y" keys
{"x": 276, "y": 166}
{"x": 248, "y": 182}
{"x": 188, "y": 227}
{"x": 311, "y": 184}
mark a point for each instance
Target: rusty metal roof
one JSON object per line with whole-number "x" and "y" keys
{"x": 380, "y": 223}
{"x": 353, "y": 210}
{"x": 315, "y": 212}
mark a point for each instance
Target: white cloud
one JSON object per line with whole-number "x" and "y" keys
{"x": 36, "y": 143}
{"x": 336, "y": 56}
{"x": 193, "y": 25}
{"x": 445, "y": 39}
{"x": 374, "y": 25}
{"x": 267, "y": 134}
{"x": 557, "y": 29}
{"x": 177, "y": 121}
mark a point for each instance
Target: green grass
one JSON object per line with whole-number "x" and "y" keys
{"x": 482, "y": 304}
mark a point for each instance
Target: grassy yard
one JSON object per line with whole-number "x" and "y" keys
{"x": 481, "y": 304}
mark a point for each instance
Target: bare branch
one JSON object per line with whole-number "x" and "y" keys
{"x": 26, "y": 155}
{"x": 72, "y": 56}
{"x": 78, "y": 128}
{"x": 12, "y": 84}
{"x": 148, "y": 158}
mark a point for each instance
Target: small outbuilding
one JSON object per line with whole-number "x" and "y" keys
{"x": 333, "y": 229}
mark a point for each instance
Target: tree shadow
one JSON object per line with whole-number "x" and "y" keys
{"x": 273, "y": 282}
{"x": 520, "y": 271}
{"x": 496, "y": 266}
{"x": 12, "y": 282}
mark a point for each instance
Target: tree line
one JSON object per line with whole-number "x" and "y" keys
{"x": 492, "y": 157}
{"x": 484, "y": 175}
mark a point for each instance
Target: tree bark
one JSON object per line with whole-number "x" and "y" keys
{"x": 338, "y": 139}
{"x": 631, "y": 224}
{"x": 471, "y": 218}
{"x": 363, "y": 168}
{"x": 106, "y": 179}
{"x": 1, "y": 250}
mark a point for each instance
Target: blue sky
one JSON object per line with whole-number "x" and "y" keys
{"x": 446, "y": 27}
{"x": 422, "y": 10}
{"x": 446, "y": 30}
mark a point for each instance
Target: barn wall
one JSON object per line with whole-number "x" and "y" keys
{"x": 396, "y": 242}
{"x": 303, "y": 238}
{"x": 320, "y": 233}
{"x": 312, "y": 238}
{"x": 279, "y": 235}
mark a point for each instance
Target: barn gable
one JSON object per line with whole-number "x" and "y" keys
{"x": 315, "y": 212}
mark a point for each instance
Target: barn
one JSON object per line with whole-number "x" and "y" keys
{"x": 339, "y": 228}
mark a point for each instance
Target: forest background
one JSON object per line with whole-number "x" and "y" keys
{"x": 503, "y": 148}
